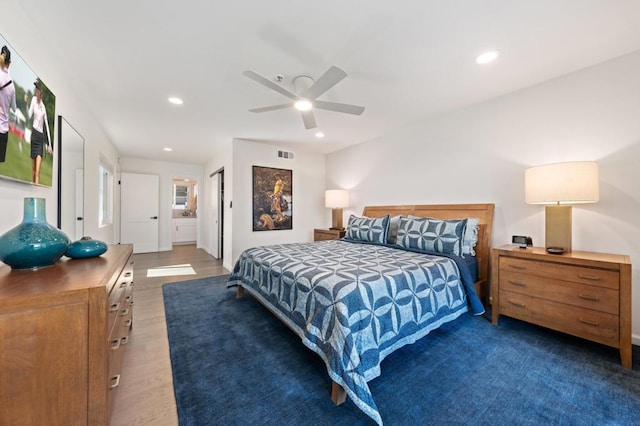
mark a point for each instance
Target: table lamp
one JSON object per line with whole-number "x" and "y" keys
{"x": 336, "y": 199}
{"x": 559, "y": 185}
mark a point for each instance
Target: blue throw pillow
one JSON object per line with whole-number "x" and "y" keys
{"x": 368, "y": 229}
{"x": 435, "y": 235}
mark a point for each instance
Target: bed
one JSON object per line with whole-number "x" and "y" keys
{"x": 399, "y": 273}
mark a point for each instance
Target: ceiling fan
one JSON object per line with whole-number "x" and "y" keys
{"x": 306, "y": 99}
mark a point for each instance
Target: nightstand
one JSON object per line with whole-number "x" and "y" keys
{"x": 581, "y": 293}
{"x": 327, "y": 234}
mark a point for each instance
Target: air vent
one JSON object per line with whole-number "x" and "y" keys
{"x": 285, "y": 154}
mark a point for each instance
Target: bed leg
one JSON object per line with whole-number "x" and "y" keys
{"x": 338, "y": 395}
{"x": 239, "y": 292}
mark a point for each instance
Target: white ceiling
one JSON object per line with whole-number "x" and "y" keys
{"x": 407, "y": 61}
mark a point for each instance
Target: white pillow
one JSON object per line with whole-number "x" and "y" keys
{"x": 470, "y": 236}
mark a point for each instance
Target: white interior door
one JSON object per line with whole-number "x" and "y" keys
{"x": 214, "y": 220}
{"x": 139, "y": 205}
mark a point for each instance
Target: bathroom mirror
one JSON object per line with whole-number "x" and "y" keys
{"x": 70, "y": 180}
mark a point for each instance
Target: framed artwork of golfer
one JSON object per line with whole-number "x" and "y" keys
{"x": 272, "y": 199}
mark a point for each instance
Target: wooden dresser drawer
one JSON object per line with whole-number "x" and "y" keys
{"x": 593, "y": 325}
{"x": 116, "y": 300}
{"x": 577, "y": 274}
{"x": 118, "y": 295}
{"x": 585, "y": 296}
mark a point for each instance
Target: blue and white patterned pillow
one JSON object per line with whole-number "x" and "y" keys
{"x": 368, "y": 229}
{"x": 435, "y": 235}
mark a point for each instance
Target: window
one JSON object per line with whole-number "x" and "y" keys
{"x": 105, "y": 194}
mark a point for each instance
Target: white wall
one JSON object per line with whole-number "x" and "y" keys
{"x": 222, "y": 159}
{"x": 479, "y": 154}
{"x": 166, "y": 171}
{"x": 19, "y": 33}
{"x": 308, "y": 195}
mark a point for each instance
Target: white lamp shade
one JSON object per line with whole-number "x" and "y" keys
{"x": 562, "y": 183}
{"x": 336, "y": 198}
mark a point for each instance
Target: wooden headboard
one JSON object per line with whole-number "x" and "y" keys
{"x": 484, "y": 212}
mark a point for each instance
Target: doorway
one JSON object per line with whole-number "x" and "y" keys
{"x": 184, "y": 205}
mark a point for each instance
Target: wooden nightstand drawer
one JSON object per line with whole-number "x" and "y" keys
{"x": 577, "y": 274}
{"x": 327, "y": 234}
{"x": 585, "y": 296}
{"x": 586, "y": 323}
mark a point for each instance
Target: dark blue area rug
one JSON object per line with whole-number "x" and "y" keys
{"x": 234, "y": 363}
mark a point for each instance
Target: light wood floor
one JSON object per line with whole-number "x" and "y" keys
{"x": 145, "y": 396}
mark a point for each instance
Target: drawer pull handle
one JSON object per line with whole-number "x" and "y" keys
{"x": 127, "y": 299}
{"x": 124, "y": 340}
{"x": 123, "y": 284}
{"x": 128, "y": 274}
{"x": 518, "y": 283}
{"x": 124, "y": 312}
{"x": 589, "y": 277}
{"x": 589, "y": 322}
{"x": 114, "y": 307}
{"x": 588, "y": 297}
{"x": 518, "y": 304}
{"x": 128, "y": 323}
{"x": 520, "y": 267}
{"x": 115, "y": 344}
{"x": 116, "y": 382}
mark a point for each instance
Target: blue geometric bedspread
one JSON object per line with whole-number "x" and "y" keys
{"x": 354, "y": 304}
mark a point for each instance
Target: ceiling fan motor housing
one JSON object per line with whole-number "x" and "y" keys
{"x": 301, "y": 84}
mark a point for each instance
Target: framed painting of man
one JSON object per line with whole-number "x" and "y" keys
{"x": 272, "y": 199}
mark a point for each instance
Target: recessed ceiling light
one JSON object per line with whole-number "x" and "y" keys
{"x": 168, "y": 149}
{"x": 487, "y": 57}
{"x": 303, "y": 105}
{"x": 319, "y": 135}
{"x": 176, "y": 101}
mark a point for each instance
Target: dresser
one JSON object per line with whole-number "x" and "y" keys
{"x": 63, "y": 331}
{"x": 328, "y": 234}
{"x": 580, "y": 293}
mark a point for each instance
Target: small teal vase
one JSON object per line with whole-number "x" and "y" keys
{"x": 33, "y": 243}
{"x": 85, "y": 247}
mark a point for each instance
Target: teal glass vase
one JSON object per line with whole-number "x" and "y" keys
{"x": 33, "y": 243}
{"x": 85, "y": 247}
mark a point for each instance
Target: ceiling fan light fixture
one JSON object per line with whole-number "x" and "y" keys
{"x": 487, "y": 57}
{"x": 303, "y": 105}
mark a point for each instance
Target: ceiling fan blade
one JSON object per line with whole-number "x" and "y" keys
{"x": 271, "y": 108}
{"x": 330, "y": 78}
{"x": 308, "y": 119}
{"x": 338, "y": 107}
{"x": 270, "y": 84}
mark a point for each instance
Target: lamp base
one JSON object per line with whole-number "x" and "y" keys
{"x": 555, "y": 250}
{"x": 336, "y": 219}
{"x": 558, "y": 228}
